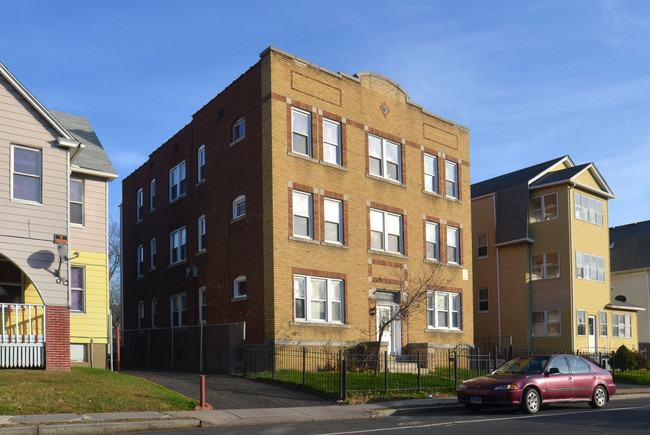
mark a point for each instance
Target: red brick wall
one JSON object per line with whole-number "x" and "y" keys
{"x": 57, "y": 344}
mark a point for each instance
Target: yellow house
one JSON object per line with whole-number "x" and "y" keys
{"x": 541, "y": 261}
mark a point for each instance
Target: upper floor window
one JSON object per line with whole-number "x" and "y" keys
{"x": 482, "y": 244}
{"x": 451, "y": 177}
{"x": 152, "y": 253}
{"x": 177, "y": 246}
{"x": 453, "y": 245}
{"x": 545, "y": 266}
{"x": 333, "y": 220}
{"x": 590, "y": 267}
{"x": 546, "y": 323}
{"x": 203, "y": 305}
{"x": 443, "y": 310}
{"x": 588, "y": 209}
{"x": 385, "y": 158}
{"x": 152, "y": 194}
{"x": 139, "y": 205}
{"x": 239, "y": 287}
{"x": 77, "y": 289}
{"x": 239, "y": 207}
{"x": 543, "y": 208}
{"x": 140, "y": 265}
{"x": 483, "y": 300}
{"x": 432, "y": 241}
{"x": 331, "y": 142}
{"x": 430, "y": 173}
{"x": 318, "y": 299}
{"x": 154, "y": 312}
{"x": 201, "y": 233}
{"x": 26, "y": 174}
{"x": 386, "y": 231}
{"x": 301, "y": 132}
{"x": 239, "y": 130}
{"x": 178, "y": 310}
{"x": 76, "y": 202}
{"x": 621, "y": 325}
{"x": 303, "y": 214}
{"x": 200, "y": 159}
{"x": 177, "y": 181}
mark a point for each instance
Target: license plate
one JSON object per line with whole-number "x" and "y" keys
{"x": 476, "y": 400}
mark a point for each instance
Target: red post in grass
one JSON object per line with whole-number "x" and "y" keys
{"x": 203, "y": 405}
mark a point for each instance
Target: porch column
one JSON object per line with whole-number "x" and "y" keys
{"x": 57, "y": 341}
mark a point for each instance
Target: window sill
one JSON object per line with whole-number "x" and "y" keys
{"x": 334, "y": 245}
{"x": 302, "y": 156}
{"x": 177, "y": 264}
{"x": 434, "y": 194}
{"x": 26, "y": 202}
{"x": 200, "y": 182}
{"x": 332, "y": 165}
{"x": 178, "y": 198}
{"x": 233, "y": 143}
{"x": 460, "y": 266}
{"x": 153, "y": 269}
{"x": 386, "y": 180}
{"x": 138, "y": 222}
{"x": 72, "y": 225}
{"x": 432, "y": 261}
{"x": 151, "y": 210}
{"x": 446, "y": 330}
{"x": 325, "y": 324}
{"x": 239, "y": 298}
{"x": 237, "y": 219}
{"x": 304, "y": 239}
{"x": 77, "y": 313}
{"x": 389, "y": 254}
{"x": 452, "y": 199}
{"x": 201, "y": 252}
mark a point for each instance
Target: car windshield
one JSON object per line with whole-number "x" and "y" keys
{"x": 530, "y": 365}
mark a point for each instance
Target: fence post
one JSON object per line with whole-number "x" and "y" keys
{"x": 304, "y": 365}
{"x": 243, "y": 360}
{"x": 455, "y": 369}
{"x": 343, "y": 385}
{"x": 273, "y": 356}
{"x": 419, "y": 374}
{"x": 386, "y": 370}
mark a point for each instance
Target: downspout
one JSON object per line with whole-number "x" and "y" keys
{"x": 571, "y": 314}
{"x": 494, "y": 208}
{"x": 647, "y": 277}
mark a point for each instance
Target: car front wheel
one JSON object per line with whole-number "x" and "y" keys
{"x": 530, "y": 401}
{"x": 599, "y": 398}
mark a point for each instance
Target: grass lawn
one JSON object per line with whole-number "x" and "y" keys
{"x": 83, "y": 390}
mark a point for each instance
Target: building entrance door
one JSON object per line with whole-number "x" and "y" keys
{"x": 591, "y": 330}
{"x": 392, "y": 334}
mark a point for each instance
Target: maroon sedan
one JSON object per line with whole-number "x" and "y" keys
{"x": 531, "y": 381}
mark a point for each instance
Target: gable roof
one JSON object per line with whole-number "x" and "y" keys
{"x": 569, "y": 175}
{"x": 630, "y": 246}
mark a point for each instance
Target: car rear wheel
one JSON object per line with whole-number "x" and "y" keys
{"x": 530, "y": 401}
{"x": 599, "y": 398}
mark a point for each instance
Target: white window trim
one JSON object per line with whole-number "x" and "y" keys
{"x": 545, "y": 265}
{"x": 235, "y": 287}
{"x": 339, "y": 222}
{"x": 240, "y": 131}
{"x": 236, "y": 202}
{"x": 201, "y": 232}
{"x": 590, "y": 211}
{"x": 82, "y": 203}
{"x": 310, "y": 150}
{"x": 152, "y": 195}
{"x": 177, "y": 170}
{"x": 542, "y": 211}
{"x": 139, "y": 205}
{"x": 432, "y": 295}
{"x": 581, "y": 322}
{"x": 485, "y": 299}
{"x": 546, "y": 334}
{"x": 80, "y": 289}
{"x": 152, "y": 253}
{"x": 621, "y": 321}
{"x": 338, "y": 160}
{"x": 309, "y": 216}
{"x": 180, "y": 231}
{"x": 179, "y": 313}
{"x": 385, "y": 234}
{"x": 329, "y": 301}
{"x": 433, "y": 175}
{"x": 39, "y": 176}
{"x": 200, "y": 164}
{"x": 436, "y": 232}
{"x": 140, "y": 261}
{"x": 384, "y": 159}
{"x": 456, "y": 190}
{"x": 583, "y": 258}
{"x": 456, "y": 240}
{"x": 601, "y": 323}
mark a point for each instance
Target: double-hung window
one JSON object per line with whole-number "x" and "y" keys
{"x": 77, "y": 289}
{"x": 26, "y": 174}
{"x": 178, "y": 310}
{"x": 482, "y": 245}
{"x": 301, "y": 132}
{"x": 303, "y": 214}
{"x": 152, "y": 253}
{"x": 76, "y": 202}
{"x": 140, "y": 267}
{"x": 239, "y": 130}
{"x": 590, "y": 267}
{"x": 545, "y": 266}
{"x": 622, "y": 325}
{"x": 432, "y": 241}
{"x": 546, "y": 323}
{"x": 203, "y": 305}
{"x": 443, "y": 310}
{"x": 543, "y": 208}
{"x": 602, "y": 321}
{"x": 386, "y": 231}
{"x": 451, "y": 178}
{"x": 201, "y": 233}
{"x": 581, "y": 320}
{"x": 200, "y": 160}
{"x": 318, "y": 299}
{"x": 484, "y": 300}
{"x": 152, "y": 195}
{"x": 331, "y": 142}
{"x": 588, "y": 209}
{"x": 333, "y": 220}
{"x": 430, "y": 173}
{"x": 139, "y": 205}
{"x": 385, "y": 158}
{"x": 239, "y": 207}
{"x": 453, "y": 245}
{"x": 177, "y": 182}
{"x": 239, "y": 287}
{"x": 177, "y": 246}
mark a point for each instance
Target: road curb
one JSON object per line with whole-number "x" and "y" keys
{"x": 102, "y": 427}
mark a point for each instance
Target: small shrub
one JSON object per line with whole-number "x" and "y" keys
{"x": 641, "y": 361}
{"x": 624, "y": 359}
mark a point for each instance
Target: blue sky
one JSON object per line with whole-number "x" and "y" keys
{"x": 532, "y": 80}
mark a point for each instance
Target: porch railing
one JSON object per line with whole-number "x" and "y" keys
{"x": 22, "y": 338}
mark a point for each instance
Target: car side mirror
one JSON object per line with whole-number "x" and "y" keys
{"x": 553, "y": 371}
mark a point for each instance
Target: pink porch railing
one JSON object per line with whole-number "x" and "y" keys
{"x": 22, "y": 342}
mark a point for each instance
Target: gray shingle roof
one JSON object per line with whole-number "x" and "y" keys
{"x": 92, "y": 156}
{"x": 559, "y": 176}
{"x": 630, "y": 246}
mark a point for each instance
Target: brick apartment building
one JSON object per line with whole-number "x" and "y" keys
{"x": 291, "y": 202}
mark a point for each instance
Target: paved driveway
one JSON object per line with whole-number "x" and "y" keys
{"x": 232, "y": 392}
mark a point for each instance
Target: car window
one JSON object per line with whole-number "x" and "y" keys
{"x": 559, "y": 362}
{"x": 578, "y": 366}
{"x": 531, "y": 365}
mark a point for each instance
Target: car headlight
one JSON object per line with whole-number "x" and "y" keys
{"x": 506, "y": 387}
{"x": 462, "y": 387}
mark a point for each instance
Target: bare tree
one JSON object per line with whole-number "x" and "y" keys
{"x": 114, "y": 261}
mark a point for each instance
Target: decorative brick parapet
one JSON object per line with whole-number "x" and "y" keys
{"x": 57, "y": 344}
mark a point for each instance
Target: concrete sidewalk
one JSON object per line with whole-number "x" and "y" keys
{"x": 121, "y": 422}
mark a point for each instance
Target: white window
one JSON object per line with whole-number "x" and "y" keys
{"x": 331, "y": 142}
{"x": 545, "y": 266}
{"x": 432, "y": 241}
{"x": 178, "y": 310}
{"x": 76, "y": 202}
{"x": 301, "y": 128}
{"x": 203, "y": 305}
{"x": 333, "y": 220}
{"x": 239, "y": 130}
{"x": 239, "y": 207}
{"x": 443, "y": 310}
{"x": 386, "y": 231}
{"x": 430, "y": 173}
{"x": 201, "y": 234}
{"x": 484, "y": 300}
{"x": 318, "y": 299}
{"x": 453, "y": 245}
{"x": 385, "y": 158}
{"x": 77, "y": 289}
{"x": 26, "y": 174}
{"x": 602, "y": 320}
{"x": 482, "y": 244}
{"x": 152, "y": 194}
{"x": 177, "y": 182}
{"x": 543, "y": 208}
{"x": 140, "y": 314}
{"x": 152, "y": 253}
{"x": 177, "y": 246}
{"x": 303, "y": 214}
{"x": 588, "y": 209}
{"x": 590, "y": 267}
{"x": 581, "y": 319}
{"x": 140, "y": 267}
{"x": 154, "y": 312}
{"x": 546, "y": 323}
{"x": 451, "y": 178}
{"x": 200, "y": 160}
{"x": 622, "y": 325}
{"x": 239, "y": 287}
{"x": 139, "y": 205}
